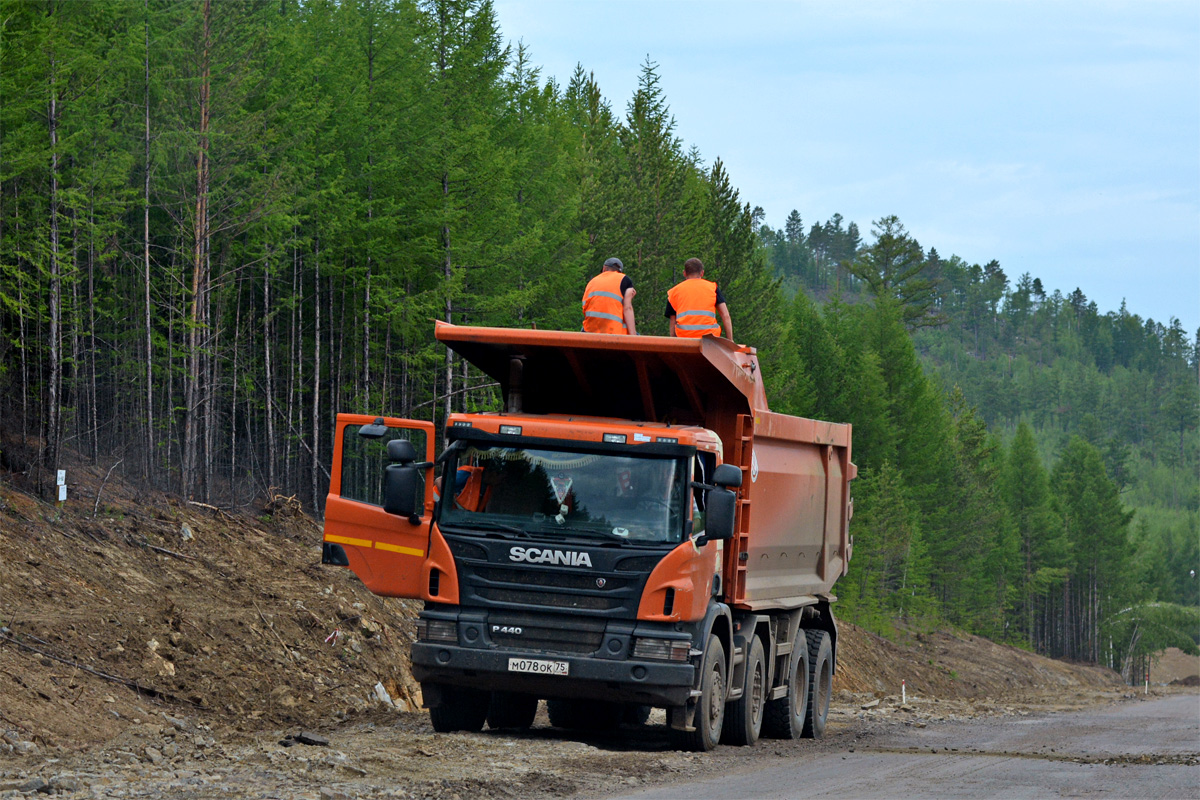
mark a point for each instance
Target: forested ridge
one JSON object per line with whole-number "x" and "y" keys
{"x": 223, "y": 222}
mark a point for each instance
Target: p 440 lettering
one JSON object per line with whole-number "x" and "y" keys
{"x": 512, "y": 630}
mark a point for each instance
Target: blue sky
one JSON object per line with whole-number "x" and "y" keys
{"x": 1062, "y": 139}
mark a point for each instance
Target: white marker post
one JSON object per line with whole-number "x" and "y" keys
{"x": 903, "y": 693}
{"x": 62, "y": 486}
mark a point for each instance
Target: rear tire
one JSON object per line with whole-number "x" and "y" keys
{"x": 461, "y": 709}
{"x": 820, "y": 684}
{"x": 584, "y": 715}
{"x": 710, "y": 710}
{"x": 511, "y": 710}
{"x": 744, "y": 716}
{"x": 784, "y": 717}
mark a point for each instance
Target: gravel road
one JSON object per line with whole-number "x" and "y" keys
{"x": 874, "y": 747}
{"x": 1138, "y": 749}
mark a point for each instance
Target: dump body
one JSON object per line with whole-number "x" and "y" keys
{"x": 637, "y": 528}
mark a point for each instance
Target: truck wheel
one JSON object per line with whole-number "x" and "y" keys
{"x": 564, "y": 713}
{"x": 584, "y": 715}
{"x": 820, "y": 683}
{"x": 710, "y": 712}
{"x": 784, "y": 717}
{"x": 744, "y": 717}
{"x": 511, "y": 710}
{"x": 461, "y": 709}
{"x": 635, "y": 714}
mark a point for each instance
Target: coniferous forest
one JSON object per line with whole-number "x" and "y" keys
{"x": 223, "y": 222}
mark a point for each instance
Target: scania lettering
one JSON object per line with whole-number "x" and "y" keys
{"x": 635, "y": 529}
{"x": 534, "y": 555}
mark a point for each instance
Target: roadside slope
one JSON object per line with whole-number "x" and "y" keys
{"x": 227, "y": 616}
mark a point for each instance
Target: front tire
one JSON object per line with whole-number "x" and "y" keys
{"x": 584, "y": 715}
{"x": 461, "y": 709}
{"x": 710, "y": 712}
{"x": 635, "y": 714}
{"x": 511, "y": 710}
{"x": 744, "y": 719}
{"x": 820, "y": 684}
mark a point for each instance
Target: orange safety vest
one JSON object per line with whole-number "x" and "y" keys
{"x": 695, "y": 304}
{"x": 603, "y": 306}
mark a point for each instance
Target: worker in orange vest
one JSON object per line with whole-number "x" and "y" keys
{"x": 694, "y": 304}
{"x": 608, "y": 301}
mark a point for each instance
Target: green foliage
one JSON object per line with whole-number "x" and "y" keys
{"x": 1148, "y": 628}
{"x": 894, "y": 268}
{"x": 888, "y": 579}
{"x": 1005, "y": 554}
{"x": 1042, "y": 545}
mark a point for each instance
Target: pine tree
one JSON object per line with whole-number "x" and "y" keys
{"x": 653, "y": 190}
{"x": 1043, "y": 549}
{"x": 894, "y": 267}
{"x": 1096, "y": 526}
{"x": 975, "y": 563}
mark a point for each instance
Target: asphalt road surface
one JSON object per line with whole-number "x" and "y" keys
{"x": 1147, "y": 749}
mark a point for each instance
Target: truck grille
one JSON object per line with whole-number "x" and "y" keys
{"x": 612, "y": 588}
{"x": 558, "y": 581}
{"x": 543, "y": 634}
{"x": 527, "y": 598}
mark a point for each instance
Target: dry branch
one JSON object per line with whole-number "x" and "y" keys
{"x": 137, "y": 687}
{"x": 100, "y": 491}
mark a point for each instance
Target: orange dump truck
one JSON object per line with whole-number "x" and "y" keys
{"x": 635, "y": 530}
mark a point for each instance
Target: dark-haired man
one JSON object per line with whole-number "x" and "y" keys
{"x": 694, "y": 304}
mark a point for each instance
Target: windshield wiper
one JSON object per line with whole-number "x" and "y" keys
{"x": 487, "y": 525}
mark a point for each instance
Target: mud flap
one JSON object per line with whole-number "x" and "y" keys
{"x": 432, "y": 695}
{"x": 682, "y": 718}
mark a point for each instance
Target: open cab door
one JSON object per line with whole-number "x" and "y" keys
{"x": 386, "y": 550}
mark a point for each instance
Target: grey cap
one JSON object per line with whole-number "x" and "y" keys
{"x": 614, "y": 262}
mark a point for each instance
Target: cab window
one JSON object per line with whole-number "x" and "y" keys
{"x": 702, "y": 471}
{"x": 363, "y": 462}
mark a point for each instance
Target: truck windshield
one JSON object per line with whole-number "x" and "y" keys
{"x": 550, "y": 492}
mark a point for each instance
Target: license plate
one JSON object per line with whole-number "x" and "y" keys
{"x": 538, "y": 666}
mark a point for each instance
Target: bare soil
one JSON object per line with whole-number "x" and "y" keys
{"x": 1173, "y": 666}
{"x": 151, "y": 647}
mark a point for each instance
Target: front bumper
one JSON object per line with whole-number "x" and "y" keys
{"x": 611, "y": 672}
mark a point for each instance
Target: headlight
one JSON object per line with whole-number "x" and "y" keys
{"x": 437, "y": 630}
{"x": 664, "y": 649}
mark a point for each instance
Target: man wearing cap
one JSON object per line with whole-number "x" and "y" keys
{"x": 694, "y": 304}
{"x": 608, "y": 301}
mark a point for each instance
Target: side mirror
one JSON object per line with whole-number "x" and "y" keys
{"x": 375, "y": 430}
{"x": 720, "y": 513}
{"x": 727, "y": 475}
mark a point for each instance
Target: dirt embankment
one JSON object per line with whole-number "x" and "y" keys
{"x": 184, "y": 607}
{"x": 173, "y": 645}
